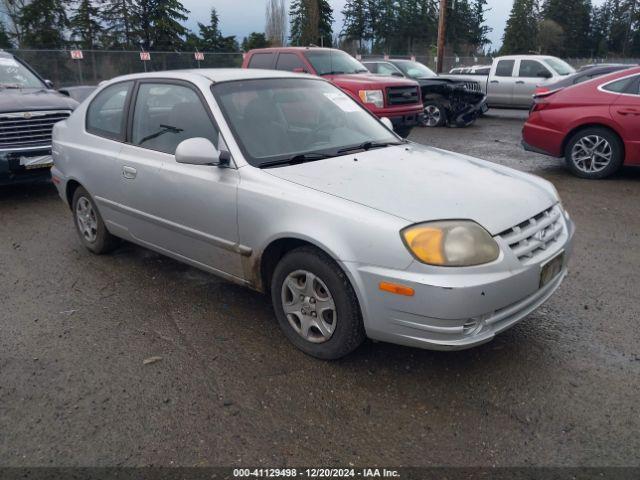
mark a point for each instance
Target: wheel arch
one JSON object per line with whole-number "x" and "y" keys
{"x": 70, "y": 189}
{"x": 585, "y": 126}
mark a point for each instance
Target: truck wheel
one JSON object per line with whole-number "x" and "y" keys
{"x": 594, "y": 153}
{"x": 315, "y": 304}
{"x": 89, "y": 224}
{"x": 435, "y": 115}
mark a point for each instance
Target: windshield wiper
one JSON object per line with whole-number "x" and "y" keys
{"x": 297, "y": 159}
{"x": 369, "y": 145}
{"x": 165, "y": 129}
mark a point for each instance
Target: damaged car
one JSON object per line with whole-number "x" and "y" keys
{"x": 446, "y": 101}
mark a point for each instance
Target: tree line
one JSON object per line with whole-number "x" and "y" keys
{"x": 152, "y": 25}
{"x": 574, "y": 28}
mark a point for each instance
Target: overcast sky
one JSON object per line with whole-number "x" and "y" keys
{"x": 241, "y": 17}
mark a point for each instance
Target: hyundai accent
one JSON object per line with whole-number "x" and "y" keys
{"x": 282, "y": 183}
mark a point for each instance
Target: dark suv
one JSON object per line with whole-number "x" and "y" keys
{"x": 29, "y": 107}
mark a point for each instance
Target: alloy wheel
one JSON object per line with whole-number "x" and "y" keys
{"x": 591, "y": 154}
{"x": 309, "y": 306}
{"x": 432, "y": 115}
{"x": 86, "y": 219}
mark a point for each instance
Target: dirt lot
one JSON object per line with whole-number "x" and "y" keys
{"x": 561, "y": 388}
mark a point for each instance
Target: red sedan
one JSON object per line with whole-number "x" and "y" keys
{"x": 595, "y": 125}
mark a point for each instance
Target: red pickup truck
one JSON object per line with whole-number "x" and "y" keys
{"x": 398, "y": 99}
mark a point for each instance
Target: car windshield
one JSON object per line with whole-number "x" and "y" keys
{"x": 560, "y": 66}
{"x": 414, "y": 69}
{"x": 334, "y": 62}
{"x": 293, "y": 120}
{"x": 13, "y": 74}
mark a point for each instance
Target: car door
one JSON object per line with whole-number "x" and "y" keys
{"x": 625, "y": 111}
{"x": 501, "y": 83}
{"x": 105, "y": 123}
{"x": 188, "y": 211}
{"x": 530, "y": 74}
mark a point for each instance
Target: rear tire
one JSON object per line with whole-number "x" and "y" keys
{"x": 315, "y": 304}
{"x": 89, "y": 224}
{"x": 594, "y": 153}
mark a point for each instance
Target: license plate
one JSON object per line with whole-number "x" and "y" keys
{"x": 551, "y": 269}
{"x": 31, "y": 163}
{"x": 484, "y": 108}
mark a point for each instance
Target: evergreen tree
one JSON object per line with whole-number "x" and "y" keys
{"x": 5, "y": 40}
{"x": 43, "y": 23}
{"x": 212, "y": 40}
{"x": 600, "y": 27}
{"x": 255, "y": 40}
{"x": 311, "y": 22}
{"x": 573, "y": 16}
{"x": 356, "y": 23}
{"x": 166, "y": 18}
{"x": 116, "y": 18}
{"x": 522, "y": 28}
{"x": 85, "y": 25}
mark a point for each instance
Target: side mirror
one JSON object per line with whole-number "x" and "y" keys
{"x": 544, "y": 74}
{"x": 200, "y": 151}
{"x": 397, "y": 74}
{"x": 49, "y": 84}
{"x": 387, "y": 123}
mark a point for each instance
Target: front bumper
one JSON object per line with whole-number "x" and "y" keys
{"x": 26, "y": 166}
{"x": 455, "y": 309}
{"x": 471, "y": 113}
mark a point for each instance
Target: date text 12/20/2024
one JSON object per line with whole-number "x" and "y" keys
{"x": 315, "y": 473}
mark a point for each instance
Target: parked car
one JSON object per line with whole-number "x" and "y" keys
{"x": 29, "y": 107}
{"x": 513, "y": 79}
{"x": 446, "y": 101}
{"x": 480, "y": 70}
{"x": 285, "y": 184}
{"x": 582, "y": 75}
{"x": 397, "y": 99}
{"x": 594, "y": 65}
{"x": 593, "y": 125}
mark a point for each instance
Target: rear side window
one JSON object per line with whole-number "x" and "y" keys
{"x": 619, "y": 86}
{"x": 505, "y": 68}
{"x": 167, "y": 114}
{"x": 106, "y": 114}
{"x": 531, "y": 68}
{"x": 289, "y": 62}
{"x": 261, "y": 60}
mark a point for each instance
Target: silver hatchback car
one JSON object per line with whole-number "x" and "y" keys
{"x": 283, "y": 183}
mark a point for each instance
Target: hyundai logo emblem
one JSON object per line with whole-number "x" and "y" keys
{"x": 26, "y": 115}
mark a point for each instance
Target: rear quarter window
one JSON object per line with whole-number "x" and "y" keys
{"x": 505, "y": 68}
{"x": 620, "y": 86}
{"x": 289, "y": 62}
{"x": 261, "y": 60}
{"x": 107, "y": 112}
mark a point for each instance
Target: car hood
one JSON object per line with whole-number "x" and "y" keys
{"x": 22, "y": 100}
{"x": 418, "y": 184}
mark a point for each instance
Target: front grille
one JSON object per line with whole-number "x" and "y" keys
{"x": 473, "y": 86}
{"x": 28, "y": 129}
{"x": 402, "y": 95}
{"x": 534, "y": 236}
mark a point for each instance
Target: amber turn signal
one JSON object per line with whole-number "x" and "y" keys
{"x": 396, "y": 289}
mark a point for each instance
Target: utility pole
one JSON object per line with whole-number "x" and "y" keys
{"x": 442, "y": 32}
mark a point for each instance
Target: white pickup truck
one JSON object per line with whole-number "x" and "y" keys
{"x": 513, "y": 79}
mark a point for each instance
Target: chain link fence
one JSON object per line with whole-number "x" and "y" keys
{"x": 98, "y": 65}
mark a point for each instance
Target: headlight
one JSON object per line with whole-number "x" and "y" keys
{"x": 372, "y": 96}
{"x": 451, "y": 243}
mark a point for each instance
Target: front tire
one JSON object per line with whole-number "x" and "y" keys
{"x": 315, "y": 304}
{"x": 435, "y": 113}
{"x": 594, "y": 153}
{"x": 89, "y": 224}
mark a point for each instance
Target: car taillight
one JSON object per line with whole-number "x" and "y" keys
{"x": 541, "y": 90}
{"x": 538, "y": 105}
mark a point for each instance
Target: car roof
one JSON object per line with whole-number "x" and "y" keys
{"x": 4, "y": 54}
{"x": 217, "y": 74}
{"x": 293, "y": 49}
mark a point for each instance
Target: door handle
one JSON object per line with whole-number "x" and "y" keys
{"x": 628, "y": 111}
{"x": 129, "y": 172}
{"x": 495, "y": 81}
{"x": 520, "y": 82}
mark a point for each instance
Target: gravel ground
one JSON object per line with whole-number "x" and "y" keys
{"x": 561, "y": 388}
